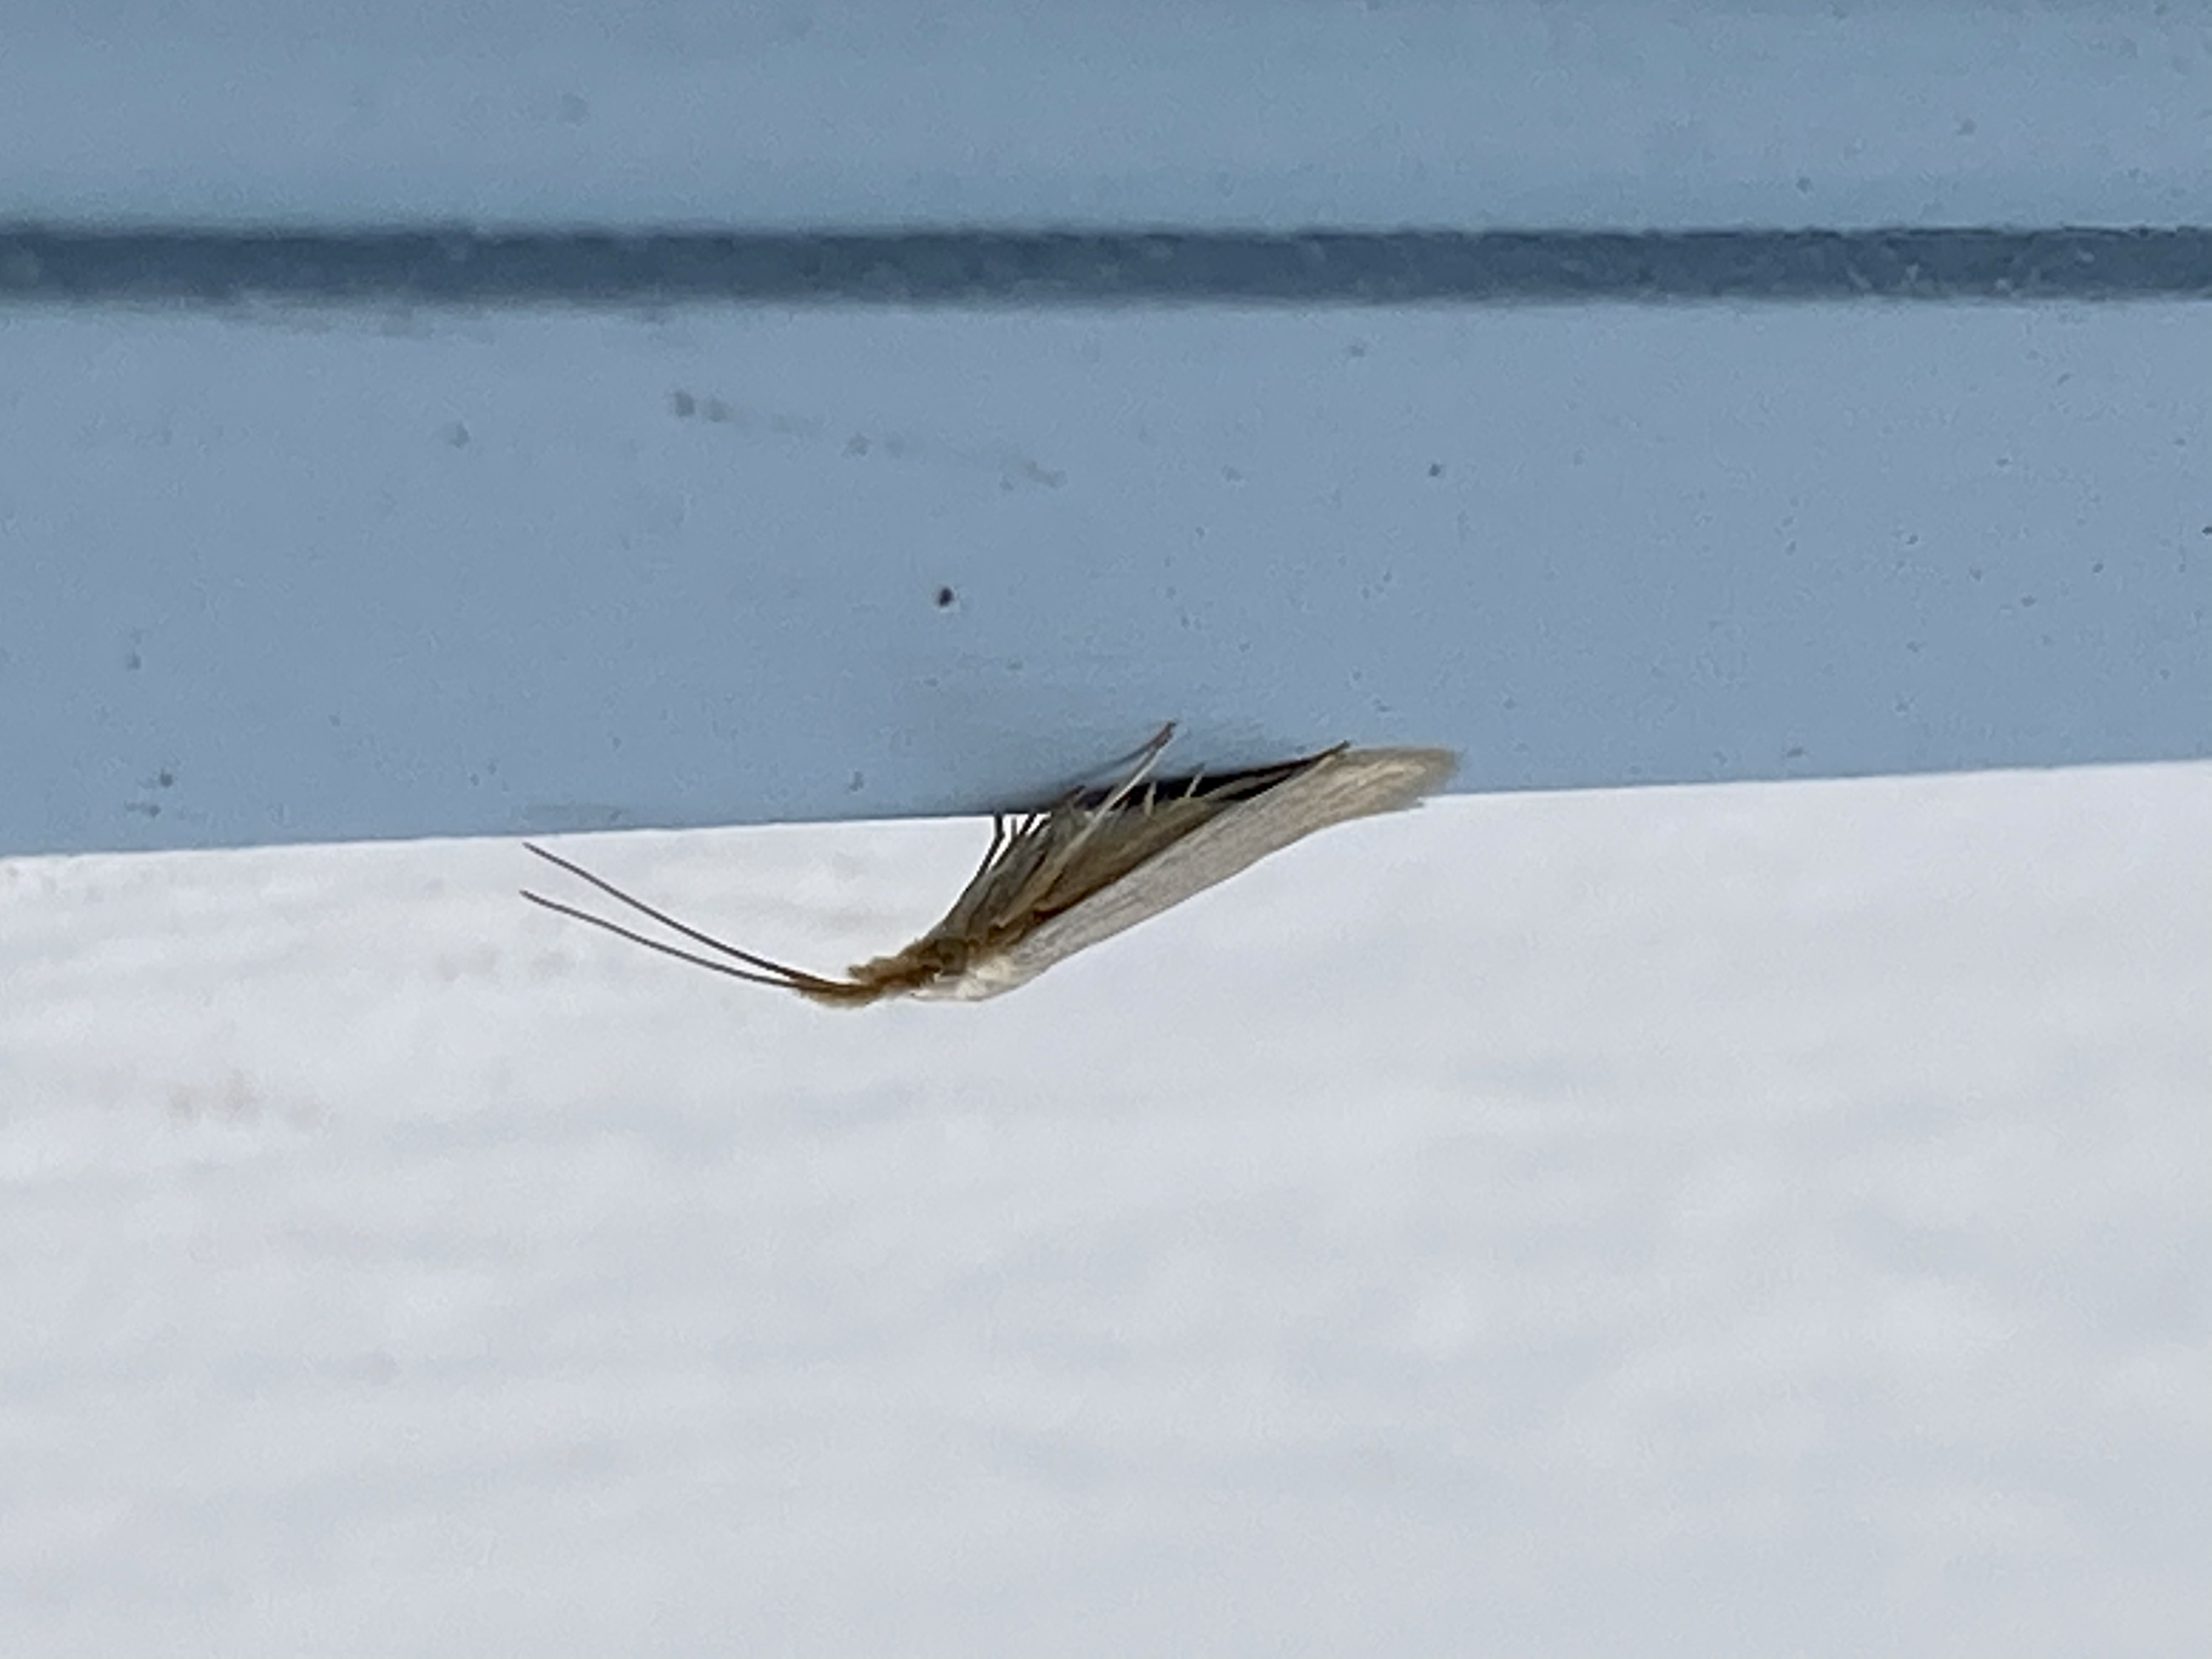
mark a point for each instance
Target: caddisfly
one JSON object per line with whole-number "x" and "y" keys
{"x": 1058, "y": 880}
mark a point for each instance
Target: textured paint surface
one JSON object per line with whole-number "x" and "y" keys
{"x": 296, "y": 575}
{"x": 1254, "y": 113}
{"x": 281, "y": 573}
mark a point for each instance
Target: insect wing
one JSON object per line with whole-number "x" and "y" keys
{"x": 1338, "y": 787}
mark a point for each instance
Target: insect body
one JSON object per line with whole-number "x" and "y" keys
{"x": 1056, "y": 881}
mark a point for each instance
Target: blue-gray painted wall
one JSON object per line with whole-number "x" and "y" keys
{"x": 346, "y": 552}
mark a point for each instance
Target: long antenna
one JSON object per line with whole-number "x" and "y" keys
{"x": 791, "y": 978}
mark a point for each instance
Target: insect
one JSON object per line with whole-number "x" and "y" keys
{"x": 1055, "y": 881}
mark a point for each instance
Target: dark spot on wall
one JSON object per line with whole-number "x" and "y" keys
{"x": 946, "y": 597}
{"x": 1436, "y": 468}
{"x": 684, "y": 405}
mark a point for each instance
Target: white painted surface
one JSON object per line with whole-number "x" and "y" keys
{"x": 1750, "y": 1220}
{"x": 1136, "y": 112}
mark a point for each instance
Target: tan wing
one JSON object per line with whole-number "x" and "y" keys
{"x": 1336, "y": 788}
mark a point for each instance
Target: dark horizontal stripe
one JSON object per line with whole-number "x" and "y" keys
{"x": 1078, "y": 267}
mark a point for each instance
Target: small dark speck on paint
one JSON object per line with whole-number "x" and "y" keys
{"x": 1436, "y": 468}
{"x": 945, "y": 596}
{"x": 856, "y": 783}
{"x": 164, "y": 778}
{"x": 684, "y": 405}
